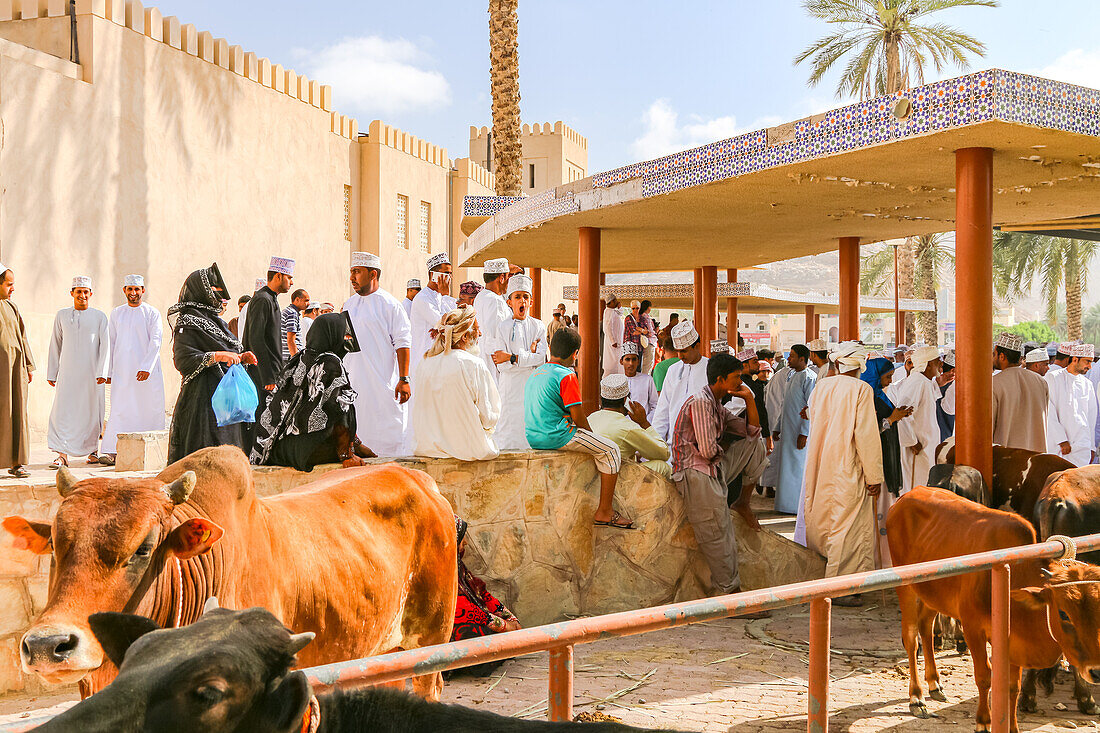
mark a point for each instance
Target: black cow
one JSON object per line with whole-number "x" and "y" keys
{"x": 230, "y": 673}
{"x": 963, "y": 481}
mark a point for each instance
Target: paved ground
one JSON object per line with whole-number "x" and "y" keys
{"x": 731, "y": 676}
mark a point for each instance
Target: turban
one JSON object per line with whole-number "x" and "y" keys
{"x": 452, "y": 328}
{"x": 469, "y": 288}
{"x": 923, "y": 355}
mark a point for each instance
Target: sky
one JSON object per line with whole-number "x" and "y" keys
{"x": 638, "y": 78}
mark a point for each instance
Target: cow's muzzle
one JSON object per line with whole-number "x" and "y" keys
{"x": 58, "y": 654}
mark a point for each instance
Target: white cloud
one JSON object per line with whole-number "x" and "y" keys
{"x": 1077, "y": 66}
{"x": 376, "y": 76}
{"x": 664, "y": 133}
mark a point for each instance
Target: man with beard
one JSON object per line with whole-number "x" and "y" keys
{"x": 263, "y": 329}
{"x": 137, "y": 384}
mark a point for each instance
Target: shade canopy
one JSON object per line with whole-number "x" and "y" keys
{"x": 751, "y": 298}
{"x": 876, "y": 170}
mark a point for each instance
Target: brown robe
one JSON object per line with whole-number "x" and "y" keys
{"x": 16, "y": 364}
{"x": 1020, "y": 409}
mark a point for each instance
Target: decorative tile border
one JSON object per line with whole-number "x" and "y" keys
{"x": 665, "y": 291}
{"x": 980, "y": 97}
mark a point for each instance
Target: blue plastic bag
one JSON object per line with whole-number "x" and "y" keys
{"x": 235, "y": 400}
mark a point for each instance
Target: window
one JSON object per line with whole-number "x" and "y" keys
{"x": 347, "y": 213}
{"x": 402, "y": 221}
{"x": 761, "y": 326}
{"x": 425, "y": 226}
{"x": 531, "y": 170}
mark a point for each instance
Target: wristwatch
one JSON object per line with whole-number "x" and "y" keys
{"x": 406, "y": 380}
{"x": 513, "y": 359}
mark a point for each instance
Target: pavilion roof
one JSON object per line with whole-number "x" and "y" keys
{"x": 751, "y": 298}
{"x": 879, "y": 170}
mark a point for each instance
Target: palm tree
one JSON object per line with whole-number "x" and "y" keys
{"x": 1059, "y": 264}
{"x": 888, "y": 45}
{"x": 504, "y": 82}
{"x": 935, "y": 261}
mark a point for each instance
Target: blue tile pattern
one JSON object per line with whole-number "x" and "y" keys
{"x": 980, "y": 97}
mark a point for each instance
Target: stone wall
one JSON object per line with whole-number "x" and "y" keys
{"x": 531, "y": 539}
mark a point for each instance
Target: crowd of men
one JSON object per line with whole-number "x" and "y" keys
{"x": 835, "y": 434}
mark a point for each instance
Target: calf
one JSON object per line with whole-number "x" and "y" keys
{"x": 1052, "y": 607}
{"x": 1018, "y": 475}
{"x": 230, "y": 673}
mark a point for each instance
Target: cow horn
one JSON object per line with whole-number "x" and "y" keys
{"x": 1046, "y": 573}
{"x": 180, "y": 490}
{"x": 210, "y": 605}
{"x": 298, "y": 642}
{"x": 66, "y": 482}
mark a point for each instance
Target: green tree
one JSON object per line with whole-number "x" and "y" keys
{"x": 936, "y": 261}
{"x": 888, "y": 46}
{"x": 1036, "y": 331}
{"x": 1059, "y": 263}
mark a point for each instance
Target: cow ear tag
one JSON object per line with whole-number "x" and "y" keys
{"x": 33, "y": 536}
{"x": 194, "y": 537}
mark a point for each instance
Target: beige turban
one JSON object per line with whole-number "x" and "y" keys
{"x": 452, "y": 328}
{"x": 922, "y": 355}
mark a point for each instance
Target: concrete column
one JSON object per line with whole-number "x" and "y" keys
{"x": 974, "y": 308}
{"x": 731, "y": 310}
{"x": 811, "y": 324}
{"x": 697, "y": 294}
{"x": 849, "y": 288}
{"x": 536, "y": 292}
{"x": 708, "y": 301}
{"x": 588, "y": 271}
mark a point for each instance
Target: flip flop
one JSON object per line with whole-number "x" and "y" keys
{"x": 59, "y": 462}
{"x": 616, "y": 522}
{"x": 19, "y": 472}
{"x": 93, "y": 459}
{"x": 106, "y": 460}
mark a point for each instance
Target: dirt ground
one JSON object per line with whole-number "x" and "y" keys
{"x": 729, "y": 675}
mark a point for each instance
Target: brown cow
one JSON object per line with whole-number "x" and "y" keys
{"x": 362, "y": 557}
{"x": 1052, "y": 610}
{"x": 1018, "y": 475}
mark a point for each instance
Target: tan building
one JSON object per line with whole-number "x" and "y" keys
{"x": 166, "y": 149}
{"x": 552, "y": 154}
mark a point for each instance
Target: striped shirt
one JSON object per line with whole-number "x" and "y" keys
{"x": 699, "y": 426}
{"x": 292, "y": 323}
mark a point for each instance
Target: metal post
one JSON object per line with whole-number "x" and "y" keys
{"x": 817, "y": 714}
{"x": 849, "y": 288}
{"x": 1000, "y": 705}
{"x": 811, "y": 323}
{"x": 536, "y": 292}
{"x": 732, "y": 322}
{"x": 561, "y": 683}
{"x": 589, "y": 310}
{"x": 974, "y": 308}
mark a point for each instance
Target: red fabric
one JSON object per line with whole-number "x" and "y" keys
{"x": 570, "y": 390}
{"x": 471, "y": 620}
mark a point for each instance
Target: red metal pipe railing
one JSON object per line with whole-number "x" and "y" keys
{"x": 559, "y": 638}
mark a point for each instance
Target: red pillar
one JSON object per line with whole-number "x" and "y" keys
{"x": 536, "y": 292}
{"x": 817, "y": 709}
{"x": 974, "y": 308}
{"x": 708, "y": 301}
{"x": 731, "y": 310}
{"x": 1000, "y": 703}
{"x": 811, "y": 324}
{"x": 696, "y": 301}
{"x": 588, "y": 271}
{"x": 849, "y": 288}
{"x": 900, "y": 339}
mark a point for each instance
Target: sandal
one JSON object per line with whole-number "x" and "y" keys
{"x": 93, "y": 459}
{"x": 617, "y": 521}
{"x": 106, "y": 460}
{"x": 59, "y": 462}
{"x": 19, "y": 472}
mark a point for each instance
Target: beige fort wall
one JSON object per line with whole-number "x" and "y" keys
{"x": 531, "y": 539}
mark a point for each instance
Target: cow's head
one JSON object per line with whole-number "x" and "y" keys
{"x": 229, "y": 672}
{"x": 109, "y": 537}
{"x": 1071, "y": 599}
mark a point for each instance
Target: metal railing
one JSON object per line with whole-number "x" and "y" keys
{"x": 560, "y": 638}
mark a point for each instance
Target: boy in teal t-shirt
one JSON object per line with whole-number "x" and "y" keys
{"x": 555, "y": 420}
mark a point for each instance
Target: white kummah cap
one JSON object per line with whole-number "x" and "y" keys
{"x": 413, "y": 284}
{"x": 3, "y": 268}
{"x": 130, "y": 281}
{"x": 284, "y": 265}
{"x": 519, "y": 284}
{"x": 746, "y": 354}
{"x": 817, "y": 345}
{"x": 1009, "y": 341}
{"x": 629, "y": 347}
{"x": 949, "y": 358}
{"x": 366, "y": 259}
{"x": 922, "y": 355}
{"x": 82, "y": 281}
{"x": 719, "y": 346}
{"x": 496, "y": 267}
{"x": 1036, "y": 355}
{"x": 1065, "y": 348}
{"x": 614, "y": 387}
{"x": 683, "y": 335}
{"x": 438, "y": 259}
{"x": 1086, "y": 351}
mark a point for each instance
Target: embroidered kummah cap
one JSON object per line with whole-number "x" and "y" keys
{"x": 949, "y": 359}
{"x": 413, "y": 284}
{"x": 630, "y": 348}
{"x": 1086, "y": 351}
{"x": 437, "y": 260}
{"x": 719, "y": 346}
{"x": 496, "y": 267}
{"x": 130, "y": 281}
{"x": 1065, "y": 348}
{"x": 260, "y": 282}
{"x": 313, "y": 305}
{"x": 519, "y": 284}
{"x": 746, "y": 354}
{"x": 284, "y": 265}
{"x": 1009, "y": 341}
{"x": 366, "y": 259}
{"x": 765, "y": 365}
{"x": 1036, "y": 355}
{"x": 817, "y": 345}
{"x": 683, "y": 335}
{"x": 469, "y": 288}
{"x": 82, "y": 281}
{"x": 614, "y": 387}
